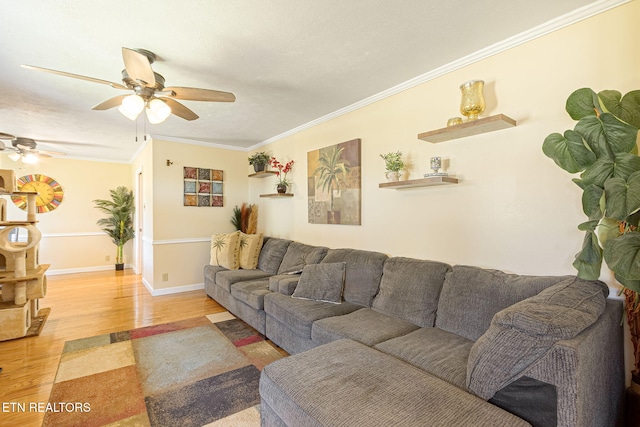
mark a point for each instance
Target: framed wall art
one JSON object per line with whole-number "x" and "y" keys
{"x": 203, "y": 187}
{"x": 334, "y": 184}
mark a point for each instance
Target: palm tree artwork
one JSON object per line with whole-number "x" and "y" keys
{"x": 335, "y": 169}
{"x": 219, "y": 243}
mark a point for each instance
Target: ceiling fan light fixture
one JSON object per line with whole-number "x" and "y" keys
{"x": 29, "y": 158}
{"x": 14, "y": 156}
{"x": 132, "y": 106}
{"x": 157, "y": 111}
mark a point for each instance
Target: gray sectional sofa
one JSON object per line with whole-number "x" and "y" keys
{"x": 423, "y": 343}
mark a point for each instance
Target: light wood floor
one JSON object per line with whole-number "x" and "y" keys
{"x": 83, "y": 305}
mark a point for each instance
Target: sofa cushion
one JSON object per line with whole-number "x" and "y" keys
{"x": 225, "y": 250}
{"x": 435, "y": 351}
{"x": 345, "y": 383}
{"x": 365, "y": 325}
{"x": 226, "y": 278}
{"x": 298, "y": 255}
{"x": 410, "y": 289}
{"x": 250, "y": 245}
{"x": 471, "y": 296}
{"x": 273, "y": 250}
{"x": 321, "y": 282}
{"x": 251, "y": 292}
{"x": 299, "y": 314}
{"x": 521, "y": 334}
{"x": 363, "y": 273}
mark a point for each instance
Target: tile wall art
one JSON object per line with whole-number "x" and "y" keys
{"x": 203, "y": 187}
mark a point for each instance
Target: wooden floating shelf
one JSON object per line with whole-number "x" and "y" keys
{"x": 487, "y": 124}
{"x": 277, "y": 195}
{"x": 262, "y": 174}
{"x": 423, "y": 182}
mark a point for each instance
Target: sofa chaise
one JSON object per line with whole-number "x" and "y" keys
{"x": 421, "y": 343}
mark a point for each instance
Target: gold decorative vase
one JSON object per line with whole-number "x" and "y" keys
{"x": 472, "y": 99}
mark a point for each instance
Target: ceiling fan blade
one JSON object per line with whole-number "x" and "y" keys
{"x": 195, "y": 94}
{"x": 138, "y": 67}
{"x": 48, "y": 153}
{"x": 6, "y": 136}
{"x": 116, "y": 101}
{"x": 76, "y": 76}
{"x": 180, "y": 110}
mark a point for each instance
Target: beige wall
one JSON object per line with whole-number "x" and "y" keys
{"x": 71, "y": 239}
{"x": 514, "y": 209}
{"x": 177, "y": 238}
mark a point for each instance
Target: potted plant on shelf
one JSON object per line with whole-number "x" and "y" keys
{"x": 282, "y": 182}
{"x": 603, "y": 147}
{"x": 259, "y": 161}
{"x": 394, "y": 165}
{"x": 119, "y": 223}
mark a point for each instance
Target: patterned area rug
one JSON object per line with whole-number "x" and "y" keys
{"x": 196, "y": 372}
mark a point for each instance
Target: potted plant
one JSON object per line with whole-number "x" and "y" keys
{"x": 118, "y": 224}
{"x": 282, "y": 182}
{"x": 394, "y": 165}
{"x": 259, "y": 161}
{"x": 603, "y": 148}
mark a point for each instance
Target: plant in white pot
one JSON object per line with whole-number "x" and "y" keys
{"x": 394, "y": 165}
{"x": 118, "y": 224}
{"x": 603, "y": 149}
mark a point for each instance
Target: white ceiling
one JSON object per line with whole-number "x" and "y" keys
{"x": 289, "y": 62}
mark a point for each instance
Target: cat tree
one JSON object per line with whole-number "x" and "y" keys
{"x": 22, "y": 279}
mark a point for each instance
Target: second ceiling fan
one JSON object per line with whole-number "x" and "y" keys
{"x": 150, "y": 94}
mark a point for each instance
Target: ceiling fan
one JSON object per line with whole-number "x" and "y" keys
{"x": 149, "y": 90}
{"x": 24, "y": 148}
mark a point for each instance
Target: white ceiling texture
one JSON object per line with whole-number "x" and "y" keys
{"x": 290, "y": 63}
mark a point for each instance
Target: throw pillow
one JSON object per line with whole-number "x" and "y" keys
{"x": 225, "y": 250}
{"x": 250, "y": 245}
{"x": 321, "y": 282}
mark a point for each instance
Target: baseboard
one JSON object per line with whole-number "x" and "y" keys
{"x": 83, "y": 269}
{"x": 173, "y": 290}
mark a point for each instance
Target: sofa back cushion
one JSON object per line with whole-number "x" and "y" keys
{"x": 471, "y": 296}
{"x": 273, "y": 250}
{"x": 522, "y": 333}
{"x": 298, "y": 255}
{"x": 410, "y": 289}
{"x": 362, "y": 275}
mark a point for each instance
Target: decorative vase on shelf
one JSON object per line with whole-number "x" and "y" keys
{"x": 281, "y": 188}
{"x": 472, "y": 104}
{"x": 259, "y": 167}
{"x": 393, "y": 176}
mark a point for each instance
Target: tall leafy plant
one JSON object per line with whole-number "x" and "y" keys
{"x": 602, "y": 147}
{"x": 118, "y": 224}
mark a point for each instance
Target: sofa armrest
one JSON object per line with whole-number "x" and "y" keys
{"x": 284, "y": 283}
{"x": 521, "y": 334}
{"x": 581, "y": 360}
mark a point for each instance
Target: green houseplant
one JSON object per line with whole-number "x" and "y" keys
{"x": 118, "y": 224}
{"x": 259, "y": 161}
{"x": 603, "y": 149}
{"x": 393, "y": 164}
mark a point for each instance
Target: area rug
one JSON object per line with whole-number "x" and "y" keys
{"x": 196, "y": 372}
